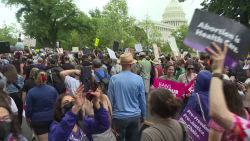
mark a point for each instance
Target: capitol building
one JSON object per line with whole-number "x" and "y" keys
{"x": 172, "y": 18}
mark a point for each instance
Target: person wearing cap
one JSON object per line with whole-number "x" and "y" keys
{"x": 144, "y": 68}
{"x": 127, "y": 97}
{"x": 158, "y": 71}
{"x": 116, "y": 68}
{"x": 39, "y": 106}
{"x": 67, "y": 65}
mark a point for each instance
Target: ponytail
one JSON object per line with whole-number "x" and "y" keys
{"x": 41, "y": 78}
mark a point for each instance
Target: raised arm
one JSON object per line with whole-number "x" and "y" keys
{"x": 218, "y": 109}
{"x": 65, "y": 73}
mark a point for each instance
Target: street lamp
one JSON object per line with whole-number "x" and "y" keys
{"x": 122, "y": 44}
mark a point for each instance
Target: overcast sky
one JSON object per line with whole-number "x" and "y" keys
{"x": 137, "y": 8}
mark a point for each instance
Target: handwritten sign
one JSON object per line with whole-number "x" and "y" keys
{"x": 197, "y": 127}
{"x": 173, "y": 46}
{"x": 189, "y": 87}
{"x": 207, "y": 27}
{"x": 176, "y": 88}
{"x": 156, "y": 52}
{"x": 138, "y": 48}
{"x": 29, "y": 42}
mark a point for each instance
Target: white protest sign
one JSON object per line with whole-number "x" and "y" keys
{"x": 138, "y": 48}
{"x": 75, "y": 49}
{"x": 60, "y": 50}
{"x": 156, "y": 52}
{"x": 20, "y": 44}
{"x": 126, "y": 50}
{"x": 57, "y": 44}
{"x": 197, "y": 53}
{"x": 29, "y": 42}
{"x": 173, "y": 46}
{"x": 111, "y": 53}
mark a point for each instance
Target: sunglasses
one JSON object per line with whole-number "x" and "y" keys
{"x": 190, "y": 68}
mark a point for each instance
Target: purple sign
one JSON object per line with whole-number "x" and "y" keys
{"x": 207, "y": 27}
{"x": 197, "y": 127}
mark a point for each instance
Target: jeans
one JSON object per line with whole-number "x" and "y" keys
{"x": 127, "y": 128}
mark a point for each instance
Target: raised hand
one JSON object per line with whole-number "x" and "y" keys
{"x": 79, "y": 96}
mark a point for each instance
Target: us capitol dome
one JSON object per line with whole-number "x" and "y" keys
{"x": 172, "y": 18}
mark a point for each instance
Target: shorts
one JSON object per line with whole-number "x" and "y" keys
{"x": 146, "y": 82}
{"x": 41, "y": 127}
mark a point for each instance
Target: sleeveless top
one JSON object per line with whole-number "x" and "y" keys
{"x": 159, "y": 70}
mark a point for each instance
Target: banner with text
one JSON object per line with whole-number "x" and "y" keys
{"x": 197, "y": 127}
{"x": 29, "y": 42}
{"x": 176, "y": 88}
{"x": 173, "y": 46}
{"x": 207, "y": 27}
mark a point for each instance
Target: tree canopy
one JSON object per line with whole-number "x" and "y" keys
{"x": 9, "y": 33}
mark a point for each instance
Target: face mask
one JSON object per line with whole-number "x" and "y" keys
{"x": 68, "y": 106}
{"x": 4, "y": 130}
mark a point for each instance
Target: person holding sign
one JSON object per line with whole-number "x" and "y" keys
{"x": 163, "y": 106}
{"x": 237, "y": 127}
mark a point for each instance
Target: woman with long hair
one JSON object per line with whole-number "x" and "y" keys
{"x": 70, "y": 124}
{"x": 163, "y": 106}
{"x": 9, "y": 129}
{"x": 39, "y": 106}
{"x": 235, "y": 105}
{"x": 189, "y": 75}
{"x": 14, "y": 82}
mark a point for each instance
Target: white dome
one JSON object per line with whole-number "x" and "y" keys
{"x": 173, "y": 12}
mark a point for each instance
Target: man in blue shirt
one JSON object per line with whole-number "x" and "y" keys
{"x": 97, "y": 63}
{"x": 127, "y": 97}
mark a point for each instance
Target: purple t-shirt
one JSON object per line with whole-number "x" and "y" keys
{"x": 78, "y": 135}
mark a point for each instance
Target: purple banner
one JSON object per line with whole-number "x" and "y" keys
{"x": 207, "y": 27}
{"x": 197, "y": 127}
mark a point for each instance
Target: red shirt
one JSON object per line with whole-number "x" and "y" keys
{"x": 159, "y": 70}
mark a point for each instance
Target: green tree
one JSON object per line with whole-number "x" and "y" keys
{"x": 238, "y": 10}
{"x": 153, "y": 35}
{"x": 45, "y": 19}
{"x": 180, "y": 34}
{"x": 116, "y": 25}
{"x": 9, "y": 33}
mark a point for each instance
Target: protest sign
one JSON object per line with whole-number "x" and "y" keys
{"x": 20, "y": 44}
{"x": 197, "y": 127}
{"x": 126, "y": 50}
{"x": 189, "y": 87}
{"x": 207, "y": 27}
{"x": 111, "y": 53}
{"x": 60, "y": 50}
{"x": 96, "y": 42}
{"x": 173, "y": 46}
{"x": 29, "y": 42}
{"x": 197, "y": 53}
{"x": 156, "y": 52}
{"x": 138, "y": 48}
{"x": 75, "y": 49}
{"x": 176, "y": 88}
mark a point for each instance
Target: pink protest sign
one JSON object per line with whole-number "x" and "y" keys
{"x": 190, "y": 87}
{"x": 176, "y": 88}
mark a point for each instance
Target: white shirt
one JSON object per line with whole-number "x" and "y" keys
{"x": 72, "y": 84}
{"x": 13, "y": 106}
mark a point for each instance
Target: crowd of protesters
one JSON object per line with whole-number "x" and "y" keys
{"x": 46, "y": 88}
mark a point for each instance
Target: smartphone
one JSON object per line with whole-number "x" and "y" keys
{"x": 93, "y": 88}
{"x": 86, "y": 77}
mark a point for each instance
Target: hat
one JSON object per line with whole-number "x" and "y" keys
{"x": 156, "y": 61}
{"x": 127, "y": 58}
{"x": 142, "y": 54}
{"x": 2, "y": 84}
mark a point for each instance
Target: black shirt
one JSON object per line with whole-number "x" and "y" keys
{"x": 68, "y": 66}
{"x": 29, "y": 84}
{"x": 86, "y": 63}
{"x": 16, "y": 63}
{"x": 30, "y": 56}
{"x": 26, "y": 71}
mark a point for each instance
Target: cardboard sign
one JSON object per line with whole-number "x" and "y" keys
{"x": 207, "y": 27}
{"x": 138, "y": 48}
{"x": 176, "y": 88}
{"x": 75, "y": 49}
{"x": 156, "y": 52}
{"x": 190, "y": 87}
{"x": 29, "y": 42}
{"x": 173, "y": 46}
{"x": 111, "y": 53}
{"x": 96, "y": 42}
{"x": 197, "y": 127}
{"x": 20, "y": 44}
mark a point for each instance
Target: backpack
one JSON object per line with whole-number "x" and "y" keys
{"x": 104, "y": 82}
{"x": 54, "y": 79}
